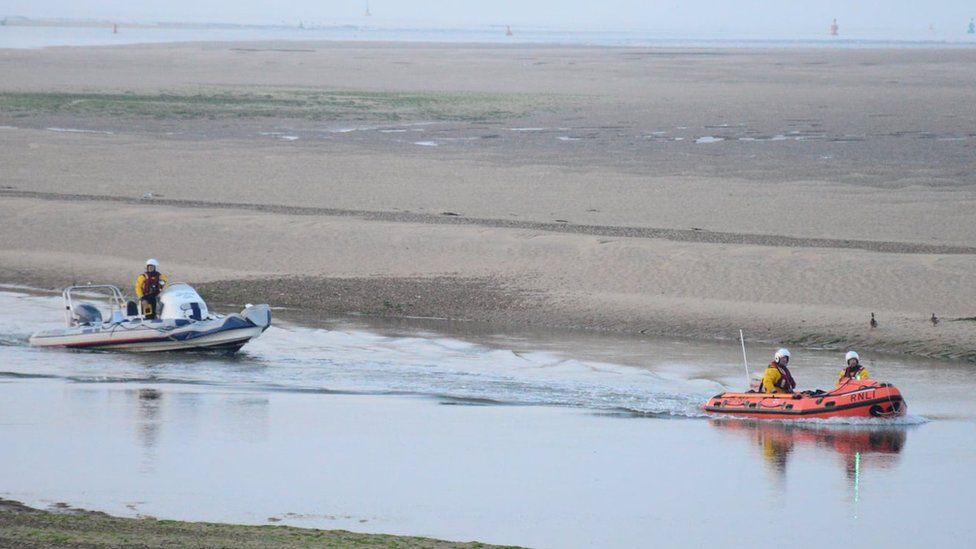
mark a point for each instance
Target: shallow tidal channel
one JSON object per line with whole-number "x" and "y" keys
{"x": 542, "y": 439}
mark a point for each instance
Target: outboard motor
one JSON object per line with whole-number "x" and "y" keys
{"x": 181, "y": 301}
{"x": 86, "y": 314}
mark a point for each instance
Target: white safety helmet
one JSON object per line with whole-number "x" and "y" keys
{"x": 850, "y": 355}
{"x": 781, "y": 353}
{"x": 152, "y": 262}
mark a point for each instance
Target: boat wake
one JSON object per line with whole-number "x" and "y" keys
{"x": 302, "y": 359}
{"x": 349, "y": 361}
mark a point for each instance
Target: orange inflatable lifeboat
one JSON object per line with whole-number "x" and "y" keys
{"x": 853, "y": 399}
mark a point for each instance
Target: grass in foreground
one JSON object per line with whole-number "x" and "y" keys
{"x": 299, "y": 104}
{"x": 22, "y": 526}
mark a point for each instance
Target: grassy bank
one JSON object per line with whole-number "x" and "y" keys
{"x": 22, "y": 526}
{"x": 295, "y": 104}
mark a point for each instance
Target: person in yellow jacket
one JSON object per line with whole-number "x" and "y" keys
{"x": 148, "y": 287}
{"x": 854, "y": 370}
{"x": 777, "y": 378}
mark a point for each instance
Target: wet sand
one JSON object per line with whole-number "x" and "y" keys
{"x": 682, "y": 192}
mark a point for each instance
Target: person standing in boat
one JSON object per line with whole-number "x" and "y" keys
{"x": 148, "y": 286}
{"x": 854, "y": 370}
{"x": 778, "y": 378}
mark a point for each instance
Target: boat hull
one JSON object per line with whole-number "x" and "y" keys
{"x": 227, "y": 334}
{"x": 855, "y": 399}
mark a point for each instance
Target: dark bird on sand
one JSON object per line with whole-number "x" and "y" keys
{"x": 934, "y": 320}
{"x": 874, "y": 323}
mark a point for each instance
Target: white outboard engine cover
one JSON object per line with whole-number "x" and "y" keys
{"x": 181, "y": 301}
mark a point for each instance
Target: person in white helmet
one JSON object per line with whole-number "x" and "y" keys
{"x": 148, "y": 286}
{"x": 854, "y": 370}
{"x": 777, "y": 378}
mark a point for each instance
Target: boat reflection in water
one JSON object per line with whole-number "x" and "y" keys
{"x": 858, "y": 446}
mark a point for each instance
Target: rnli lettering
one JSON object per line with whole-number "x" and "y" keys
{"x": 866, "y": 395}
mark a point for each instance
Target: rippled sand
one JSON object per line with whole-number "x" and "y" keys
{"x": 787, "y": 192}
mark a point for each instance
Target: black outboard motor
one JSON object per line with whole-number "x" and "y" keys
{"x": 86, "y": 313}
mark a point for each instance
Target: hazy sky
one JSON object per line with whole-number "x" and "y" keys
{"x": 686, "y": 15}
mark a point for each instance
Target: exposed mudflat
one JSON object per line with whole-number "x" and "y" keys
{"x": 668, "y": 191}
{"x": 69, "y": 527}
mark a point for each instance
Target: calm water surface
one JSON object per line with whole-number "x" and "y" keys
{"x": 546, "y": 440}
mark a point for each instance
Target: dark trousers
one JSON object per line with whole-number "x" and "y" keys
{"x": 149, "y": 306}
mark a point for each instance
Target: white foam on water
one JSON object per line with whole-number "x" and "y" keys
{"x": 675, "y": 379}
{"x": 288, "y": 137}
{"x": 302, "y": 359}
{"x": 77, "y": 130}
{"x": 460, "y": 369}
{"x": 709, "y": 139}
{"x": 567, "y": 138}
{"x": 527, "y": 129}
{"x": 849, "y": 423}
{"x": 860, "y": 422}
{"x": 425, "y": 143}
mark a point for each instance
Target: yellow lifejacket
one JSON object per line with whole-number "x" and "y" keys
{"x": 143, "y": 283}
{"x": 859, "y": 374}
{"x": 775, "y": 382}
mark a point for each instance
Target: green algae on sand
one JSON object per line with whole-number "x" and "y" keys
{"x": 23, "y": 526}
{"x": 310, "y": 104}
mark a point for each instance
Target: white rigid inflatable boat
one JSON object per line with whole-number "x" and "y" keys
{"x": 182, "y": 323}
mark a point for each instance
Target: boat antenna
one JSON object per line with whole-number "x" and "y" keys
{"x": 745, "y": 361}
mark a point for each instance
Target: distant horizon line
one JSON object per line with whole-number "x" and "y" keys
{"x": 406, "y": 24}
